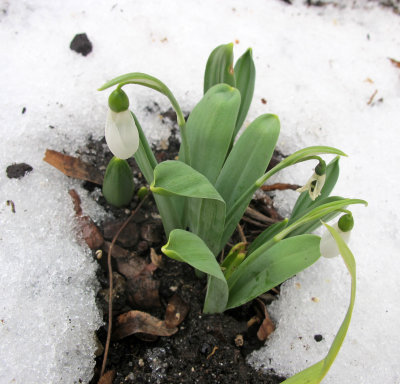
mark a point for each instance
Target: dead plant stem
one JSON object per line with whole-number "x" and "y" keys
{"x": 110, "y": 277}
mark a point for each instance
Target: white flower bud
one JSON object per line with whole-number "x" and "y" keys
{"x": 328, "y": 246}
{"x": 122, "y": 136}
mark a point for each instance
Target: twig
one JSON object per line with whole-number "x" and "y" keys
{"x": 254, "y": 214}
{"x": 280, "y": 187}
{"x": 371, "y": 99}
{"x": 241, "y": 234}
{"x": 107, "y": 347}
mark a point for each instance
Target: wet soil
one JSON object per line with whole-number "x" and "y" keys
{"x": 206, "y": 348}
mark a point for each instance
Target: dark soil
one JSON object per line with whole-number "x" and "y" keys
{"x": 17, "y": 171}
{"x": 206, "y": 348}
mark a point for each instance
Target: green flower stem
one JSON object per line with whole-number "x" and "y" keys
{"x": 153, "y": 83}
{"x": 305, "y": 154}
{"x": 318, "y": 213}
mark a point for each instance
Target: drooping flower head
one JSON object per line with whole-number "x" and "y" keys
{"x": 122, "y": 136}
{"x": 316, "y": 181}
{"x": 328, "y": 246}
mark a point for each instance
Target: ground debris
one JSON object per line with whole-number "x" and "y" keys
{"x": 90, "y": 233}
{"x": 73, "y": 167}
{"x": 128, "y": 237}
{"x": 395, "y": 62}
{"x": 107, "y": 378}
{"x": 17, "y": 171}
{"x": 176, "y": 311}
{"x": 267, "y": 326}
{"x": 81, "y": 44}
{"x": 135, "y": 321}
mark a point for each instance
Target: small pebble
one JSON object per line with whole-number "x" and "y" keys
{"x": 81, "y": 44}
{"x": 318, "y": 338}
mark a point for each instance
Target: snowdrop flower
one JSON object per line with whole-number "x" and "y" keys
{"x": 328, "y": 246}
{"x": 122, "y": 136}
{"x": 316, "y": 181}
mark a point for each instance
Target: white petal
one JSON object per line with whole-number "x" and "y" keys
{"x": 328, "y": 246}
{"x": 121, "y": 134}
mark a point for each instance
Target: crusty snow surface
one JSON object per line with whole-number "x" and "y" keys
{"x": 317, "y": 68}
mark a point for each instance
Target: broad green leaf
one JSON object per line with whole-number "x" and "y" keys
{"x": 216, "y": 296}
{"x": 210, "y": 128}
{"x": 255, "y": 276}
{"x": 170, "y": 208}
{"x": 144, "y": 155}
{"x": 219, "y": 67}
{"x": 245, "y": 74}
{"x": 248, "y": 159}
{"x": 236, "y": 211}
{"x": 189, "y": 248}
{"x": 304, "y": 201}
{"x": 267, "y": 235}
{"x": 206, "y": 208}
{"x": 315, "y": 373}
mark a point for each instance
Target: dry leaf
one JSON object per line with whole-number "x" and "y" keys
{"x": 267, "y": 326}
{"x": 142, "y": 290}
{"x": 155, "y": 258}
{"x": 396, "y": 63}
{"x": 176, "y": 311}
{"x": 90, "y": 233}
{"x": 107, "y": 378}
{"x": 133, "y": 322}
{"x": 73, "y": 167}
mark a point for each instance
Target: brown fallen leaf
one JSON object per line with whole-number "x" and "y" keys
{"x": 73, "y": 167}
{"x": 176, "y": 311}
{"x": 396, "y": 63}
{"x": 267, "y": 326}
{"x": 142, "y": 290}
{"x": 107, "y": 378}
{"x": 134, "y": 321}
{"x": 90, "y": 233}
{"x": 155, "y": 258}
{"x": 128, "y": 237}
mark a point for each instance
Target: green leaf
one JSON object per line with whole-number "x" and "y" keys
{"x": 256, "y": 275}
{"x": 245, "y": 74}
{"x": 267, "y": 235}
{"x": 318, "y": 213}
{"x": 210, "y": 128}
{"x": 170, "y": 208}
{"x": 248, "y": 159}
{"x": 187, "y": 247}
{"x": 219, "y": 67}
{"x": 144, "y": 155}
{"x": 316, "y": 223}
{"x": 118, "y": 184}
{"x": 304, "y": 200}
{"x": 315, "y": 373}
{"x": 206, "y": 208}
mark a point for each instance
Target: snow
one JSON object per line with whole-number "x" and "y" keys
{"x": 317, "y": 67}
